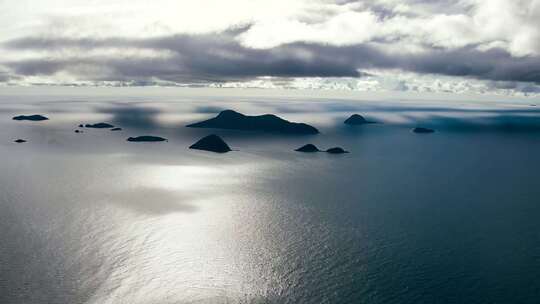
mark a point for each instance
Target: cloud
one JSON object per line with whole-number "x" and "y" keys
{"x": 211, "y": 57}
{"x": 4, "y": 77}
{"x": 221, "y": 57}
{"x": 511, "y": 25}
{"x": 490, "y": 40}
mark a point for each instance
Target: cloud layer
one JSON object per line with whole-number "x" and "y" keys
{"x": 496, "y": 42}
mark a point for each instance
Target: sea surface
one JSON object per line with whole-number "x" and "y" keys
{"x": 448, "y": 217}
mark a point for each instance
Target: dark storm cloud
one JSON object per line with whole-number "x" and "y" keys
{"x": 196, "y": 58}
{"x": 36, "y": 67}
{"x": 494, "y": 64}
{"x": 220, "y": 57}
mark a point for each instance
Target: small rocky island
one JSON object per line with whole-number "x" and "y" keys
{"x": 423, "y": 130}
{"x": 35, "y": 117}
{"x": 146, "y": 138}
{"x": 100, "y": 125}
{"x": 309, "y": 148}
{"x": 20, "y": 141}
{"x": 356, "y": 120}
{"x": 116, "y": 129}
{"x": 336, "y": 150}
{"x": 212, "y": 143}
{"x": 230, "y": 119}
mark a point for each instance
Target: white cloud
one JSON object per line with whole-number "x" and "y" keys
{"x": 353, "y": 27}
{"x": 135, "y": 18}
{"x": 514, "y": 25}
{"x": 396, "y": 27}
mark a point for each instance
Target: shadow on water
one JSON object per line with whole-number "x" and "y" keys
{"x": 135, "y": 117}
{"x": 431, "y": 109}
{"x": 493, "y": 123}
{"x": 351, "y": 107}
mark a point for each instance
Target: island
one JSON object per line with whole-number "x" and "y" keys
{"x": 230, "y": 119}
{"x": 309, "y": 148}
{"x": 336, "y": 150}
{"x": 35, "y": 117}
{"x": 100, "y": 125}
{"x": 20, "y": 141}
{"x": 116, "y": 129}
{"x": 146, "y": 138}
{"x": 212, "y": 143}
{"x": 423, "y": 130}
{"x": 356, "y": 120}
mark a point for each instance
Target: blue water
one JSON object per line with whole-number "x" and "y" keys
{"x": 449, "y": 217}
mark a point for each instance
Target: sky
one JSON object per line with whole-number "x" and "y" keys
{"x": 451, "y": 46}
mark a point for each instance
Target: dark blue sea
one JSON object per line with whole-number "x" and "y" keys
{"x": 447, "y": 217}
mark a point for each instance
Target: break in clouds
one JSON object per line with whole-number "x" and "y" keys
{"x": 422, "y": 45}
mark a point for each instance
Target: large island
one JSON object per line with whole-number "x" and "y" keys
{"x": 230, "y": 119}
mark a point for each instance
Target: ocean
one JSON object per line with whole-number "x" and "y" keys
{"x": 447, "y": 217}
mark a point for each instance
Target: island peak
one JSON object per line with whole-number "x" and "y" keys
{"x": 230, "y": 119}
{"x": 99, "y": 125}
{"x": 309, "y": 148}
{"x": 336, "y": 150}
{"x": 212, "y": 143}
{"x": 35, "y": 117}
{"x": 146, "y": 138}
{"x": 423, "y": 130}
{"x": 357, "y": 119}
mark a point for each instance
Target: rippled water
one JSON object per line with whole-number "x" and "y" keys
{"x": 450, "y": 217}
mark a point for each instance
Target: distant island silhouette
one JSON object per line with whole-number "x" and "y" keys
{"x": 78, "y": 131}
{"x": 423, "y": 130}
{"x": 212, "y": 143}
{"x": 146, "y": 138}
{"x": 230, "y": 119}
{"x": 116, "y": 129}
{"x": 336, "y": 150}
{"x": 100, "y": 125}
{"x": 20, "y": 141}
{"x": 309, "y": 148}
{"x": 35, "y": 117}
{"x": 356, "y": 120}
